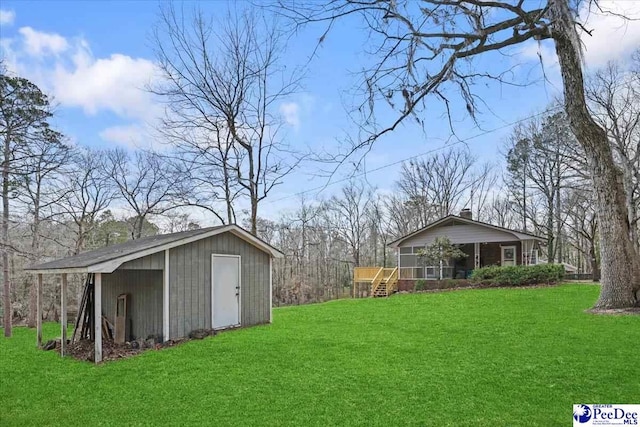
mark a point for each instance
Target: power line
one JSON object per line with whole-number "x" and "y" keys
{"x": 433, "y": 150}
{"x": 460, "y": 141}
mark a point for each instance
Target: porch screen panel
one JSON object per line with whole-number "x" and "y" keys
{"x": 408, "y": 260}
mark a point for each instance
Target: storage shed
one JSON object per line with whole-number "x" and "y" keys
{"x": 210, "y": 278}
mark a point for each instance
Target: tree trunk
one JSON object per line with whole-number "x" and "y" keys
{"x": 595, "y": 268}
{"x": 618, "y": 256}
{"x": 35, "y": 249}
{"x": 254, "y": 213}
{"x": 632, "y": 209}
{"x": 558, "y": 212}
{"x": 33, "y": 306}
{"x": 139, "y": 224}
{"x": 6, "y": 295}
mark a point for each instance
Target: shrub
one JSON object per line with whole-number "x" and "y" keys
{"x": 519, "y": 275}
{"x": 420, "y": 285}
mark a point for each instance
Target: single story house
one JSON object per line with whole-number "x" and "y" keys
{"x": 209, "y": 278}
{"x": 484, "y": 244}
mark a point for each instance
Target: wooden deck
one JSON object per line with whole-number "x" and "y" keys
{"x": 383, "y": 281}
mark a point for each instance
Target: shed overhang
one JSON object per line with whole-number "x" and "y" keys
{"x": 108, "y": 263}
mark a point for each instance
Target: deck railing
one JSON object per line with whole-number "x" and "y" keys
{"x": 392, "y": 280}
{"x": 377, "y": 280}
{"x": 377, "y": 276}
{"x": 365, "y": 274}
{"x": 427, "y": 273}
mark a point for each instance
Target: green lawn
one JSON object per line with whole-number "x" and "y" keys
{"x": 492, "y": 357}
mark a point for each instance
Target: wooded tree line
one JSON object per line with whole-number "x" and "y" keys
{"x": 545, "y": 190}
{"x": 224, "y": 147}
{"x": 61, "y": 197}
{"x": 427, "y": 51}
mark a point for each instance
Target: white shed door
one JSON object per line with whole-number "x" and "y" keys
{"x": 225, "y": 294}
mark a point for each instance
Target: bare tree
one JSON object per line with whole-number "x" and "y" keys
{"x": 484, "y": 181}
{"x": 144, "y": 184}
{"x": 348, "y": 212}
{"x": 224, "y": 81}
{"x": 203, "y": 157}
{"x": 443, "y": 183}
{"x": 614, "y": 100}
{"x": 405, "y": 215}
{"x": 500, "y": 211}
{"x": 380, "y": 223}
{"x": 423, "y": 48}
{"x": 24, "y": 115}
{"x": 583, "y": 224}
{"x": 45, "y": 158}
{"x": 89, "y": 191}
{"x": 540, "y": 168}
{"x": 177, "y": 222}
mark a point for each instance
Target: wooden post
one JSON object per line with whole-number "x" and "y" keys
{"x": 270, "y": 289}
{"x": 97, "y": 316}
{"x": 39, "y": 311}
{"x": 63, "y": 315}
{"x": 165, "y": 297}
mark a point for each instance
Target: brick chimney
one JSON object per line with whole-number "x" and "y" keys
{"x": 466, "y": 213}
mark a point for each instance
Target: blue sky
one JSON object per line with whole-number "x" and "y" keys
{"x": 95, "y": 58}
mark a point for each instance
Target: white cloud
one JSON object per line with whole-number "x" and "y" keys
{"x": 132, "y": 135}
{"x": 7, "y": 17}
{"x": 291, "y": 113}
{"x": 613, "y": 37}
{"x": 115, "y": 84}
{"x": 67, "y": 69}
{"x": 37, "y": 43}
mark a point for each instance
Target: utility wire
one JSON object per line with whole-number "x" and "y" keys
{"x": 453, "y": 144}
{"x": 433, "y": 150}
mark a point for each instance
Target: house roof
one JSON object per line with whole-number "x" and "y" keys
{"x": 109, "y": 258}
{"x": 517, "y": 234}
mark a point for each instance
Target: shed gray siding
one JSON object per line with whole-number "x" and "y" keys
{"x": 149, "y": 262}
{"x": 190, "y": 283}
{"x": 460, "y": 234}
{"x": 145, "y": 299}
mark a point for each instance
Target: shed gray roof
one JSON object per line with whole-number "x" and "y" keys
{"x": 109, "y": 258}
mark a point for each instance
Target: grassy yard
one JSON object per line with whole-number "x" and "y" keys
{"x": 492, "y": 357}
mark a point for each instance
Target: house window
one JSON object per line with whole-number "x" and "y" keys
{"x": 508, "y": 255}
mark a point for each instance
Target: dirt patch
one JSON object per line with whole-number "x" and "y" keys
{"x": 633, "y": 311}
{"x": 84, "y": 349}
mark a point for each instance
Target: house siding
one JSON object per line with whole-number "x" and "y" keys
{"x": 149, "y": 262}
{"x": 145, "y": 299}
{"x": 190, "y": 283}
{"x": 460, "y": 233}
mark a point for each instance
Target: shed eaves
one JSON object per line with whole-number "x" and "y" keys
{"x": 109, "y": 253}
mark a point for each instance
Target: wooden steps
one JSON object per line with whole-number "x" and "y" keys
{"x": 384, "y": 281}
